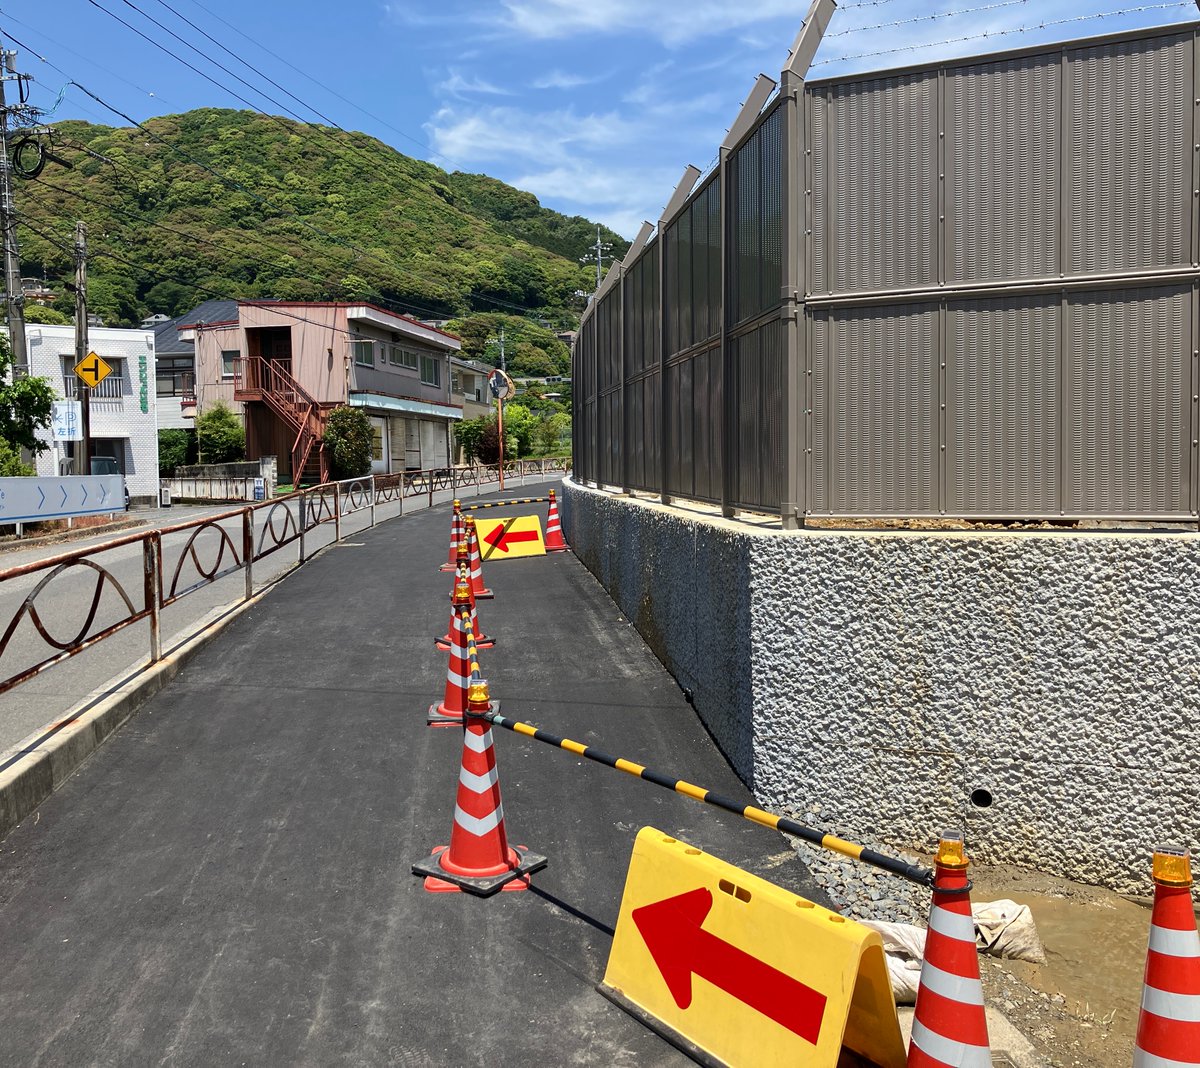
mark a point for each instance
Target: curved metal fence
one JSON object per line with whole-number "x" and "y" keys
{"x": 180, "y": 559}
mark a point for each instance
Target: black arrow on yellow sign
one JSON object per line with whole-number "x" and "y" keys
{"x": 92, "y": 370}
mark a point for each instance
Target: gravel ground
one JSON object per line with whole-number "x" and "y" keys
{"x": 865, "y": 893}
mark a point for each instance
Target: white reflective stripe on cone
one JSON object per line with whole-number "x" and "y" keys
{"x": 949, "y": 985}
{"x": 477, "y": 784}
{"x": 952, "y": 924}
{"x": 1142, "y": 1059}
{"x": 478, "y": 743}
{"x": 946, "y": 1050}
{"x": 1174, "y": 943}
{"x": 1182, "y": 1007}
{"x": 479, "y": 825}
{"x": 458, "y": 680}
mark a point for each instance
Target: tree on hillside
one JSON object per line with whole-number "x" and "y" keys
{"x": 37, "y": 313}
{"x": 25, "y": 405}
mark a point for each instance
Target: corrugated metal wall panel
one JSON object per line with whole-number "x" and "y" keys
{"x": 1002, "y": 407}
{"x": 1129, "y": 153}
{"x": 756, "y": 220}
{"x": 880, "y": 429}
{"x": 818, "y": 192}
{"x": 1002, "y": 168}
{"x": 1129, "y": 437}
{"x": 760, "y": 371}
{"x": 884, "y": 181}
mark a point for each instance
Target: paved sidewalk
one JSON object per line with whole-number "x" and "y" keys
{"x": 227, "y": 880}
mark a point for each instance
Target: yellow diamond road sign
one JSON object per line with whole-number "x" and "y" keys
{"x": 92, "y": 370}
{"x": 502, "y": 539}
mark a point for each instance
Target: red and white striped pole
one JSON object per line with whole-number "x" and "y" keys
{"x": 457, "y": 532}
{"x": 1168, "y": 1033}
{"x": 478, "y": 859}
{"x": 949, "y": 1023}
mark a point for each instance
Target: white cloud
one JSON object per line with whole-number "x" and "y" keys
{"x": 459, "y": 86}
{"x": 669, "y": 21}
{"x": 557, "y": 79}
{"x": 507, "y": 134}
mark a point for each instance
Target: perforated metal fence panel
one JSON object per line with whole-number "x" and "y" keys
{"x": 994, "y": 311}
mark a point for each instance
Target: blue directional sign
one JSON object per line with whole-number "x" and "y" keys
{"x": 66, "y": 420}
{"x": 27, "y": 500}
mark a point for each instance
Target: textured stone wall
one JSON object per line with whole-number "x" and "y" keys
{"x": 871, "y": 682}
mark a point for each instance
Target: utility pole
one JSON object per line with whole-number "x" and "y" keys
{"x": 601, "y": 247}
{"x": 81, "y": 342}
{"x": 8, "y": 220}
{"x": 500, "y": 340}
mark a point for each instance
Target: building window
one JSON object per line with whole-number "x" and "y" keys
{"x": 456, "y": 385}
{"x": 376, "y": 441}
{"x": 431, "y": 370}
{"x": 229, "y": 358}
{"x": 364, "y": 353}
{"x": 170, "y": 373}
{"x": 402, "y": 357}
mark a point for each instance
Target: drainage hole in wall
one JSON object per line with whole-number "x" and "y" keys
{"x": 981, "y": 798}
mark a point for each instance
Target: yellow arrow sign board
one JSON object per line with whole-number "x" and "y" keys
{"x": 726, "y": 963}
{"x": 92, "y": 370}
{"x": 503, "y": 539}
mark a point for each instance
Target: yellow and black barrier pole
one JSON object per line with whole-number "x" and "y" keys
{"x": 504, "y": 504}
{"x": 893, "y": 865}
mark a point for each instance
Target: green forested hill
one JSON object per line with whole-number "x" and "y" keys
{"x": 313, "y": 214}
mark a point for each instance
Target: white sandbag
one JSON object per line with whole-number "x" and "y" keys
{"x": 1006, "y": 929}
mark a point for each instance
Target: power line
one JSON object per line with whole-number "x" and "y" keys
{"x": 928, "y": 18}
{"x": 78, "y": 55}
{"x": 404, "y": 271}
{"x": 329, "y": 89}
{"x": 1046, "y": 24}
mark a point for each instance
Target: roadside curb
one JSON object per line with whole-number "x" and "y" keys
{"x": 39, "y": 764}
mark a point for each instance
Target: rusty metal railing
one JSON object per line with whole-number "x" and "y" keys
{"x": 180, "y": 559}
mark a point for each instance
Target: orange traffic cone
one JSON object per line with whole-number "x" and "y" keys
{"x": 458, "y": 672}
{"x": 554, "y": 535}
{"x": 481, "y": 591}
{"x": 1168, "y": 1033}
{"x": 447, "y": 639}
{"x": 949, "y": 1023}
{"x": 478, "y": 859}
{"x": 456, "y": 535}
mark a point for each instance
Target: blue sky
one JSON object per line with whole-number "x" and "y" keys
{"x": 595, "y": 106}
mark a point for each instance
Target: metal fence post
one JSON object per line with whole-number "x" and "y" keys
{"x": 303, "y": 523}
{"x": 152, "y": 582}
{"x": 372, "y": 492}
{"x": 248, "y": 549}
{"x": 337, "y": 512}
{"x": 454, "y": 479}
{"x": 429, "y": 479}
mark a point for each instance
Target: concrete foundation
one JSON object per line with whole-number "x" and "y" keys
{"x": 1040, "y": 689}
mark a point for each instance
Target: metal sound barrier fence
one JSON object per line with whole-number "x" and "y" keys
{"x": 967, "y": 289}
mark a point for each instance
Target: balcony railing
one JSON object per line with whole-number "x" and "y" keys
{"x": 112, "y": 388}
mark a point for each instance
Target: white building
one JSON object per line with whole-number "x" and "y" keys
{"x": 123, "y": 406}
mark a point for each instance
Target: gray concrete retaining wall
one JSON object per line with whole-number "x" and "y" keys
{"x": 870, "y": 682}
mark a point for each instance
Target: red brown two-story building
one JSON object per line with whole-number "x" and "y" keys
{"x": 286, "y": 364}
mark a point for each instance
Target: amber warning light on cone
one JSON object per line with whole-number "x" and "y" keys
{"x": 1172, "y": 866}
{"x": 951, "y": 852}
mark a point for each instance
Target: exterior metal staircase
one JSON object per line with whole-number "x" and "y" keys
{"x": 270, "y": 381}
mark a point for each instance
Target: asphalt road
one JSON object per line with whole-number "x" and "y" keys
{"x": 65, "y": 602}
{"x": 227, "y": 880}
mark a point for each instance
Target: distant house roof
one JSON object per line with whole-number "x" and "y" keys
{"x": 167, "y": 341}
{"x": 211, "y": 311}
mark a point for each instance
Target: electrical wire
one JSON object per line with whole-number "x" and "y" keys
{"x": 1033, "y": 28}
{"x": 928, "y": 18}
{"x": 332, "y": 92}
{"x": 78, "y": 55}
